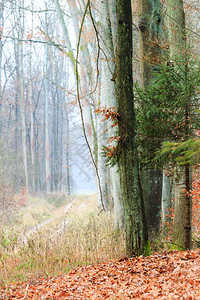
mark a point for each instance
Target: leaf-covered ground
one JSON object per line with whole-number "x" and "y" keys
{"x": 172, "y": 275}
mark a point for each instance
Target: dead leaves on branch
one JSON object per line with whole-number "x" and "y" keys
{"x": 173, "y": 275}
{"x": 109, "y": 113}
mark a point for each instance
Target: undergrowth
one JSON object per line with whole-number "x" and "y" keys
{"x": 73, "y": 241}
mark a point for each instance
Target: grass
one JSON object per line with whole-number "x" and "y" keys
{"x": 78, "y": 237}
{"x": 58, "y": 199}
{"x": 42, "y": 239}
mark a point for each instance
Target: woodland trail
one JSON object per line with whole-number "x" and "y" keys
{"x": 167, "y": 275}
{"x": 24, "y": 237}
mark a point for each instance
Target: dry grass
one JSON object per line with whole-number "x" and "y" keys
{"x": 76, "y": 238}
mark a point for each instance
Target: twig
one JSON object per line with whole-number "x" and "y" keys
{"x": 79, "y": 102}
{"x": 26, "y": 292}
{"x": 50, "y": 42}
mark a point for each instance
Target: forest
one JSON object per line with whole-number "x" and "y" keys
{"x": 99, "y": 149}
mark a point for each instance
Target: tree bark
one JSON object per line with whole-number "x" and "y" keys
{"x": 109, "y": 35}
{"x": 150, "y": 38}
{"x": 176, "y": 25}
{"x": 113, "y": 22}
{"x": 150, "y": 53}
{"x": 151, "y": 180}
{"x": 166, "y": 202}
{"x": 181, "y": 236}
{"x": 135, "y": 221}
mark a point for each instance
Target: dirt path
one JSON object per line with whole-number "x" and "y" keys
{"x": 24, "y": 237}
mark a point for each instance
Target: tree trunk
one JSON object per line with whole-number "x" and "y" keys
{"x": 1, "y": 54}
{"x": 47, "y": 144}
{"x": 22, "y": 96}
{"x": 176, "y": 25}
{"x": 135, "y": 221}
{"x": 108, "y": 40}
{"x": 17, "y": 117}
{"x": 31, "y": 116}
{"x": 151, "y": 180}
{"x": 113, "y": 22}
{"x": 102, "y": 139}
{"x": 150, "y": 38}
{"x": 181, "y": 236}
{"x": 150, "y": 53}
{"x": 96, "y": 136}
{"x": 166, "y": 202}
{"x": 65, "y": 32}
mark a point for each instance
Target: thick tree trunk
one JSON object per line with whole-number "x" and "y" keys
{"x": 176, "y": 25}
{"x": 151, "y": 180}
{"x": 182, "y": 220}
{"x": 150, "y": 35}
{"x": 135, "y": 221}
{"x": 150, "y": 51}
{"x": 109, "y": 36}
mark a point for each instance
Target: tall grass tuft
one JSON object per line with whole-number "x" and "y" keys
{"x": 79, "y": 240}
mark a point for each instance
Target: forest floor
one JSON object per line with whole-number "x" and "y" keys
{"x": 167, "y": 275}
{"x": 31, "y": 272}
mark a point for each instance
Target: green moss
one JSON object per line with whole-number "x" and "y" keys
{"x": 71, "y": 56}
{"x": 176, "y": 247}
{"x": 147, "y": 249}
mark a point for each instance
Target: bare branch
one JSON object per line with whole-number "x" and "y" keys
{"x": 79, "y": 102}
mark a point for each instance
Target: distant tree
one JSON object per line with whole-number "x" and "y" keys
{"x": 1, "y": 56}
{"x": 21, "y": 32}
{"x": 32, "y": 138}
